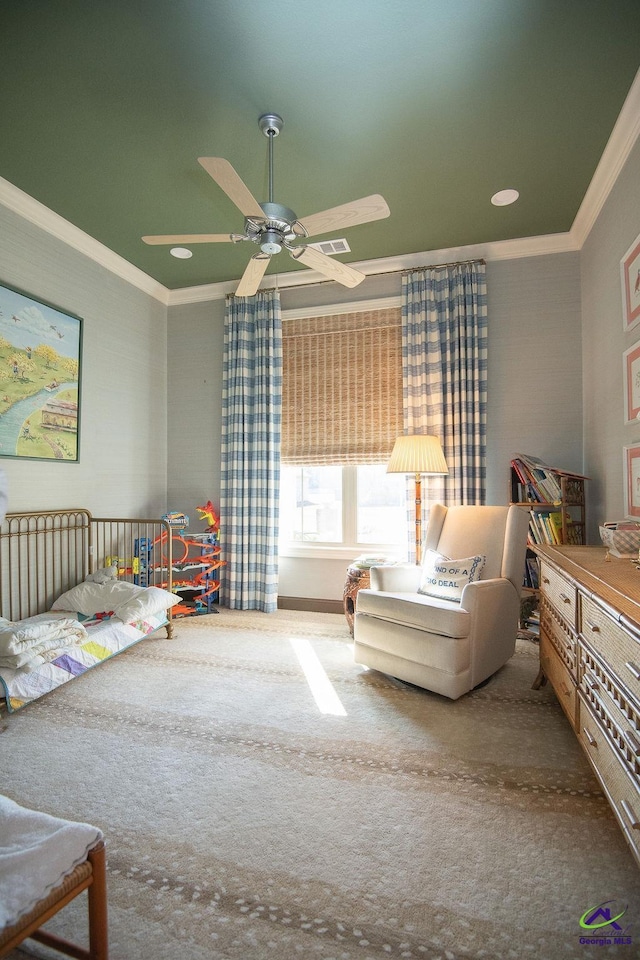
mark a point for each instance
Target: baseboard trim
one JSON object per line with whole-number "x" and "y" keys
{"x": 310, "y": 605}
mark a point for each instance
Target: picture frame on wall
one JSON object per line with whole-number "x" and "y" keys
{"x": 631, "y": 474}
{"x": 630, "y": 277}
{"x": 631, "y": 380}
{"x": 40, "y": 376}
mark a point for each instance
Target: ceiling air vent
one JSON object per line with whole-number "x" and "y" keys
{"x": 331, "y": 247}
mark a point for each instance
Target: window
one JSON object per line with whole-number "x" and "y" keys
{"x": 311, "y": 504}
{"x": 341, "y": 414}
{"x": 354, "y": 508}
{"x": 381, "y": 505}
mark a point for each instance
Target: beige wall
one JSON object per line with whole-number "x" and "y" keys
{"x": 194, "y": 401}
{"x": 534, "y": 390}
{"x": 604, "y": 342}
{"x": 123, "y": 425}
{"x": 535, "y": 365}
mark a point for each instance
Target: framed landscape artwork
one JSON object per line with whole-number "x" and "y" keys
{"x": 630, "y": 276}
{"x": 40, "y": 353}
{"x": 631, "y": 473}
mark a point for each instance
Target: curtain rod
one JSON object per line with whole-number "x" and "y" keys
{"x": 438, "y": 266}
{"x": 381, "y": 273}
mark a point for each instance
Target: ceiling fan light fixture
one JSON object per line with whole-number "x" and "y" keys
{"x": 181, "y": 253}
{"x": 270, "y": 242}
{"x": 504, "y": 197}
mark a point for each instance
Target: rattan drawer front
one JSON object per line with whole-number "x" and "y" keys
{"x": 622, "y": 790}
{"x": 560, "y": 592}
{"x": 616, "y": 713}
{"x": 559, "y": 677}
{"x": 619, "y": 649}
{"x": 564, "y": 641}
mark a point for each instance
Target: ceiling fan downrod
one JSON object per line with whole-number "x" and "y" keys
{"x": 278, "y": 217}
{"x": 271, "y": 124}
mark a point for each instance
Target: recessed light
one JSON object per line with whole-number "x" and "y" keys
{"x": 181, "y": 253}
{"x": 504, "y": 197}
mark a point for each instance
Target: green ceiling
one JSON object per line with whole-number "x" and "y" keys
{"x": 436, "y": 104}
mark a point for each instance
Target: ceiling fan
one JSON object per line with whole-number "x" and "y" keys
{"x": 273, "y": 226}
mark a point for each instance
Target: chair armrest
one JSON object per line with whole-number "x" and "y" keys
{"x": 497, "y": 590}
{"x": 402, "y": 578}
{"x": 493, "y": 607}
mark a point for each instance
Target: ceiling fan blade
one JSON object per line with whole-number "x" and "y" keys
{"x": 253, "y": 274}
{"x": 334, "y": 269}
{"x": 228, "y": 180}
{"x": 348, "y": 215}
{"x": 191, "y": 238}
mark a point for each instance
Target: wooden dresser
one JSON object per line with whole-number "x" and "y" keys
{"x": 590, "y": 653}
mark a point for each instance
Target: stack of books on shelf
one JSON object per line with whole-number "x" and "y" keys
{"x": 537, "y": 481}
{"x": 549, "y": 491}
{"x": 545, "y": 527}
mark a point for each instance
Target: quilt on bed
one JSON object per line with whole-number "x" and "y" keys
{"x": 70, "y": 646}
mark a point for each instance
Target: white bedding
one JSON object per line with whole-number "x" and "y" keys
{"x": 87, "y": 624}
{"x": 26, "y": 643}
{"x": 125, "y": 600}
{"x": 105, "y": 638}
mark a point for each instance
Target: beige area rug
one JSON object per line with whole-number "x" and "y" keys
{"x": 242, "y": 822}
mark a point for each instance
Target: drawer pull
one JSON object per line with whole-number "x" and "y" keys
{"x": 593, "y": 742}
{"x": 634, "y": 669}
{"x": 546, "y": 580}
{"x": 593, "y": 626}
{"x": 564, "y": 598}
{"x": 628, "y": 809}
{"x": 633, "y": 741}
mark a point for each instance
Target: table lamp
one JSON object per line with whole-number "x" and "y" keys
{"x": 421, "y": 455}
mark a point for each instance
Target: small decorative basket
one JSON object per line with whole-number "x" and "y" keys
{"x": 622, "y": 539}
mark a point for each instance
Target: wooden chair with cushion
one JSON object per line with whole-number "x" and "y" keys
{"x": 89, "y": 874}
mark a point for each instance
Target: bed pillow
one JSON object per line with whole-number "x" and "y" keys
{"x": 126, "y": 600}
{"x": 149, "y": 601}
{"x": 445, "y": 578}
{"x": 89, "y": 598}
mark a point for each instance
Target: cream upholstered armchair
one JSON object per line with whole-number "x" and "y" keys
{"x": 450, "y": 623}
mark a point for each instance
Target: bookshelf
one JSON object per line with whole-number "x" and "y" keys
{"x": 555, "y": 499}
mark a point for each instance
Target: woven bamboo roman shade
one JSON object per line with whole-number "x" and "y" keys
{"x": 342, "y": 387}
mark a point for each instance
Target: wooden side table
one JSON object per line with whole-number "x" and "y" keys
{"x": 357, "y": 579}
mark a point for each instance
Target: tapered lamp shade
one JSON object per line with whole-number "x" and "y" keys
{"x": 418, "y": 453}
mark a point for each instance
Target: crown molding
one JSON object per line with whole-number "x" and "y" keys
{"x": 619, "y": 146}
{"x": 497, "y": 250}
{"x": 52, "y": 223}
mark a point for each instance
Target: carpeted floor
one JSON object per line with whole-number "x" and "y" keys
{"x": 242, "y": 822}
